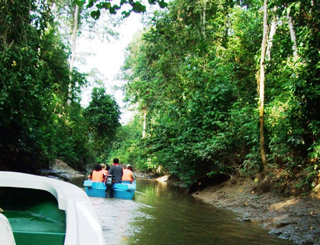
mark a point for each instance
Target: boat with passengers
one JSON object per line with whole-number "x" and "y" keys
{"x": 123, "y": 190}
{"x": 117, "y": 182}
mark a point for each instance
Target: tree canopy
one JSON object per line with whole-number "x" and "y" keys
{"x": 194, "y": 74}
{"x": 102, "y": 116}
{"x": 194, "y": 70}
{"x": 40, "y": 111}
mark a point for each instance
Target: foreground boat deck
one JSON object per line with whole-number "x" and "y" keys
{"x": 47, "y": 211}
{"x": 34, "y": 216}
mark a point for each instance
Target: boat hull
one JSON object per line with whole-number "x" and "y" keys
{"x": 68, "y": 214}
{"x": 124, "y": 190}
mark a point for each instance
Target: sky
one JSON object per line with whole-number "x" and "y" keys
{"x": 107, "y": 57}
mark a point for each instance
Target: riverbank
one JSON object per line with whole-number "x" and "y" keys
{"x": 61, "y": 170}
{"x": 295, "y": 218}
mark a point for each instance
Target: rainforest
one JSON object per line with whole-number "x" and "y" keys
{"x": 221, "y": 88}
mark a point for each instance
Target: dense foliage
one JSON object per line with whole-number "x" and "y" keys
{"x": 194, "y": 72}
{"x": 102, "y": 116}
{"x": 40, "y": 114}
{"x": 127, "y": 145}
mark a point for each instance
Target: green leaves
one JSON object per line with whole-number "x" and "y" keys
{"x": 199, "y": 90}
{"x": 162, "y": 4}
{"x": 134, "y": 6}
{"x": 95, "y": 14}
{"x": 37, "y": 125}
{"x": 103, "y": 116}
{"x": 193, "y": 71}
{"x": 91, "y": 3}
{"x": 137, "y": 7}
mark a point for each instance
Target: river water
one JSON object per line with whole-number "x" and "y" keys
{"x": 164, "y": 214}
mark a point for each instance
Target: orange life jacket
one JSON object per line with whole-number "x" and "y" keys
{"x": 97, "y": 176}
{"x": 127, "y": 175}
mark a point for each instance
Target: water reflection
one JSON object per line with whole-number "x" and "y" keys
{"x": 163, "y": 214}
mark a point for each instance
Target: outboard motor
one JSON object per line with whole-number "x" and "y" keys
{"x": 109, "y": 182}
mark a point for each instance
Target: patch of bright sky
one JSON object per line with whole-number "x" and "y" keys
{"x": 106, "y": 58}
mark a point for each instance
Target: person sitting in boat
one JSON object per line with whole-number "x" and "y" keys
{"x": 104, "y": 169}
{"x": 128, "y": 174}
{"x": 97, "y": 175}
{"x": 130, "y": 168}
{"x": 116, "y": 171}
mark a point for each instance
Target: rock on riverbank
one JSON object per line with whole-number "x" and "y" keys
{"x": 63, "y": 171}
{"x": 294, "y": 218}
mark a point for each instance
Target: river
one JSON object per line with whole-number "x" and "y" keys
{"x": 164, "y": 214}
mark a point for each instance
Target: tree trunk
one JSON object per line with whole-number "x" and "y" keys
{"x": 73, "y": 47}
{"x": 273, "y": 29}
{"x": 74, "y": 36}
{"x": 261, "y": 81}
{"x": 204, "y": 10}
{"x": 292, "y": 34}
{"x": 144, "y": 123}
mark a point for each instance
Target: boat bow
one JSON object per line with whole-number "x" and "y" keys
{"x": 82, "y": 224}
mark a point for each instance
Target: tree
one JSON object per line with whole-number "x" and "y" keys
{"x": 36, "y": 125}
{"x": 188, "y": 87}
{"x": 261, "y": 84}
{"x": 126, "y": 146}
{"x": 25, "y": 96}
{"x": 102, "y": 115}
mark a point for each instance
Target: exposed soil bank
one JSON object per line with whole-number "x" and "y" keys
{"x": 294, "y": 218}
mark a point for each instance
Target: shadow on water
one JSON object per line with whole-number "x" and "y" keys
{"x": 164, "y": 214}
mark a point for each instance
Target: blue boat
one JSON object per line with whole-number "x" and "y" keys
{"x": 124, "y": 190}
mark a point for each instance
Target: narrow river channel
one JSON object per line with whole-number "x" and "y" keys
{"x": 164, "y": 214}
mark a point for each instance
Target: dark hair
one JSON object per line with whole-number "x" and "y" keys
{"x": 98, "y": 167}
{"x": 116, "y": 160}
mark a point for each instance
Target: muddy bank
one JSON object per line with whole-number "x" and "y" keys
{"x": 294, "y": 218}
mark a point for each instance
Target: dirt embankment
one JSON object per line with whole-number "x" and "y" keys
{"x": 294, "y": 218}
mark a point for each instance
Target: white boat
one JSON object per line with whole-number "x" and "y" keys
{"x": 72, "y": 222}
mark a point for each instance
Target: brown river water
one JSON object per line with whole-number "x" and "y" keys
{"x": 162, "y": 214}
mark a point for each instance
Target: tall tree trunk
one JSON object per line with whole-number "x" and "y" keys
{"x": 74, "y": 36}
{"x": 292, "y": 34}
{"x": 144, "y": 124}
{"x": 261, "y": 81}
{"x": 203, "y": 17}
{"x": 73, "y": 46}
{"x": 273, "y": 29}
